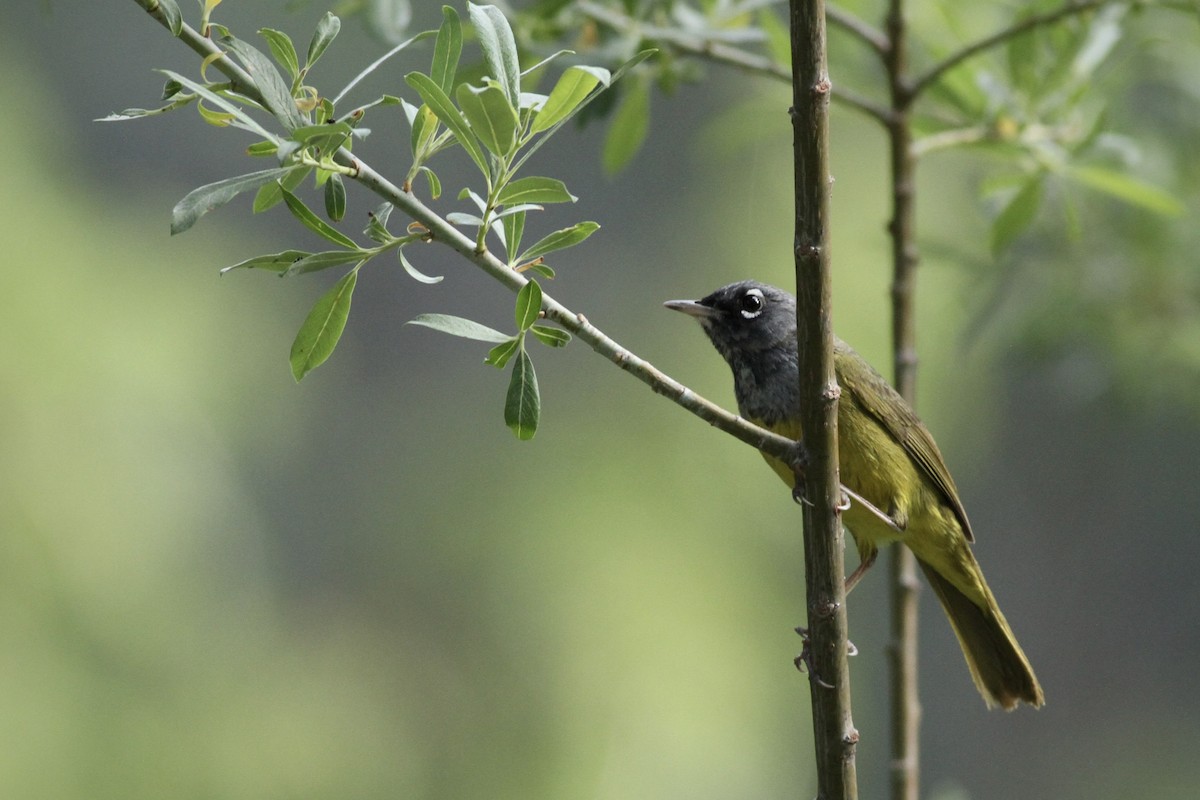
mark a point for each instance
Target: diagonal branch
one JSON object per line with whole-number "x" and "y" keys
{"x": 721, "y": 53}
{"x": 874, "y": 38}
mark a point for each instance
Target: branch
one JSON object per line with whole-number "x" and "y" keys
{"x": 874, "y": 38}
{"x": 834, "y": 735}
{"x": 1071, "y": 8}
{"x": 905, "y": 718}
{"x": 720, "y": 53}
{"x": 442, "y": 231}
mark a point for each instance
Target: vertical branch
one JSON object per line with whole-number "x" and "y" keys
{"x": 829, "y": 674}
{"x": 906, "y": 704}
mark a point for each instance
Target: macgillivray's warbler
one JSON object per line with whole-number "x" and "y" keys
{"x": 886, "y": 457}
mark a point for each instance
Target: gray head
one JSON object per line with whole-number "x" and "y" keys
{"x": 753, "y": 326}
{"x": 744, "y": 319}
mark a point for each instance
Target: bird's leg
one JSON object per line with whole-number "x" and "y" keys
{"x": 865, "y": 564}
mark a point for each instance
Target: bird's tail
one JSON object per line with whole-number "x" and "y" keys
{"x": 998, "y": 666}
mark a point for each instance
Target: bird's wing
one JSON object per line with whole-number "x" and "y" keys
{"x": 883, "y": 403}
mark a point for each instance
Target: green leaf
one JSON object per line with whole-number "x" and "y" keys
{"x": 282, "y": 49}
{"x": 514, "y": 229}
{"x": 560, "y": 240}
{"x": 447, "y": 49}
{"x": 500, "y": 355}
{"x": 199, "y": 202}
{"x": 458, "y": 326}
{"x": 535, "y": 190}
{"x": 550, "y": 336}
{"x": 315, "y": 223}
{"x": 529, "y": 305}
{"x": 327, "y": 31}
{"x": 218, "y": 118}
{"x": 523, "y": 405}
{"x": 377, "y": 220}
{"x": 1128, "y": 189}
{"x": 174, "y": 18}
{"x": 628, "y": 128}
{"x": 319, "y": 334}
{"x": 621, "y": 70}
{"x": 259, "y": 149}
{"x": 424, "y": 128}
{"x": 275, "y": 262}
{"x": 491, "y": 118}
{"x": 1015, "y": 217}
{"x": 326, "y": 259}
{"x": 541, "y": 268}
{"x": 244, "y": 120}
{"x": 449, "y": 115}
{"x": 318, "y": 134}
{"x": 275, "y": 93}
{"x": 335, "y": 198}
{"x": 573, "y": 86}
{"x": 435, "y": 184}
{"x": 499, "y": 49}
{"x": 413, "y": 272}
{"x": 271, "y": 195}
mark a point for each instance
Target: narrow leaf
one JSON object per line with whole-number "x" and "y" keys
{"x": 275, "y": 93}
{"x": 450, "y": 116}
{"x": 529, "y": 305}
{"x": 499, "y": 49}
{"x": 628, "y": 129}
{"x": 324, "y": 260}
{"x": 174, "y": 18}
{"x": 1128, "y": 189}
{"x": 377, "y": 224}
{"x": 572, "y": 87}
{"x": 335, "y": 198}
{"x": 275, "y": 262}
{"x": 491, "y": 118}
{"x": 199, "y": 202}
{"x": 244, "y": 120}
{"x": 282, "y": 49}
{"x": 500, "y": 355}
{"x": 415, "y": 273}
{"x": 327, "y": 31}
{"x": 323, "y": 327}
{"x": 435, "y": 184}
{"x": 271, "y": 195}
{"x": 535, "y": 190}
{"x": 514, "y": 229}
{"x": 523, "y": 405}
{"x": 560, "y": 240}
{"x": 459, "y": 326}
{"x": 315, "y": 223}
{"x": 447, "y": 49}
{"x": 552, "y": 337}
{"x": 1015, "y": 217}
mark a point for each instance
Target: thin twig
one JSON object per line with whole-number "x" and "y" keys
{"x": 869, "y": 35}
{"x": 1072, "y": 8}
{"x": 720, "y": 53}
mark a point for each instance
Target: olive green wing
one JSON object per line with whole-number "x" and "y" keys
{"x": 876, "y": 397}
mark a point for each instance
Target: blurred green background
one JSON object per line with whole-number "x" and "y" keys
{"x": 215, "y": 583}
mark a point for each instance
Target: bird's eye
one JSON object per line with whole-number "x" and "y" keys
{"x": 751, "y": 303}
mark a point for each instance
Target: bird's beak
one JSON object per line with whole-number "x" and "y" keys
{"x": 691, "y": 308}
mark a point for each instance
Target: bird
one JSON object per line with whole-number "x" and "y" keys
{"x": 899, "y": 487}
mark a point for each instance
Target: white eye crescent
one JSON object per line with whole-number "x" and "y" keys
{"x": 751, "y": 303}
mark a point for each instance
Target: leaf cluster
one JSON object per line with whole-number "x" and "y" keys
{"x": 496, "y": 122}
